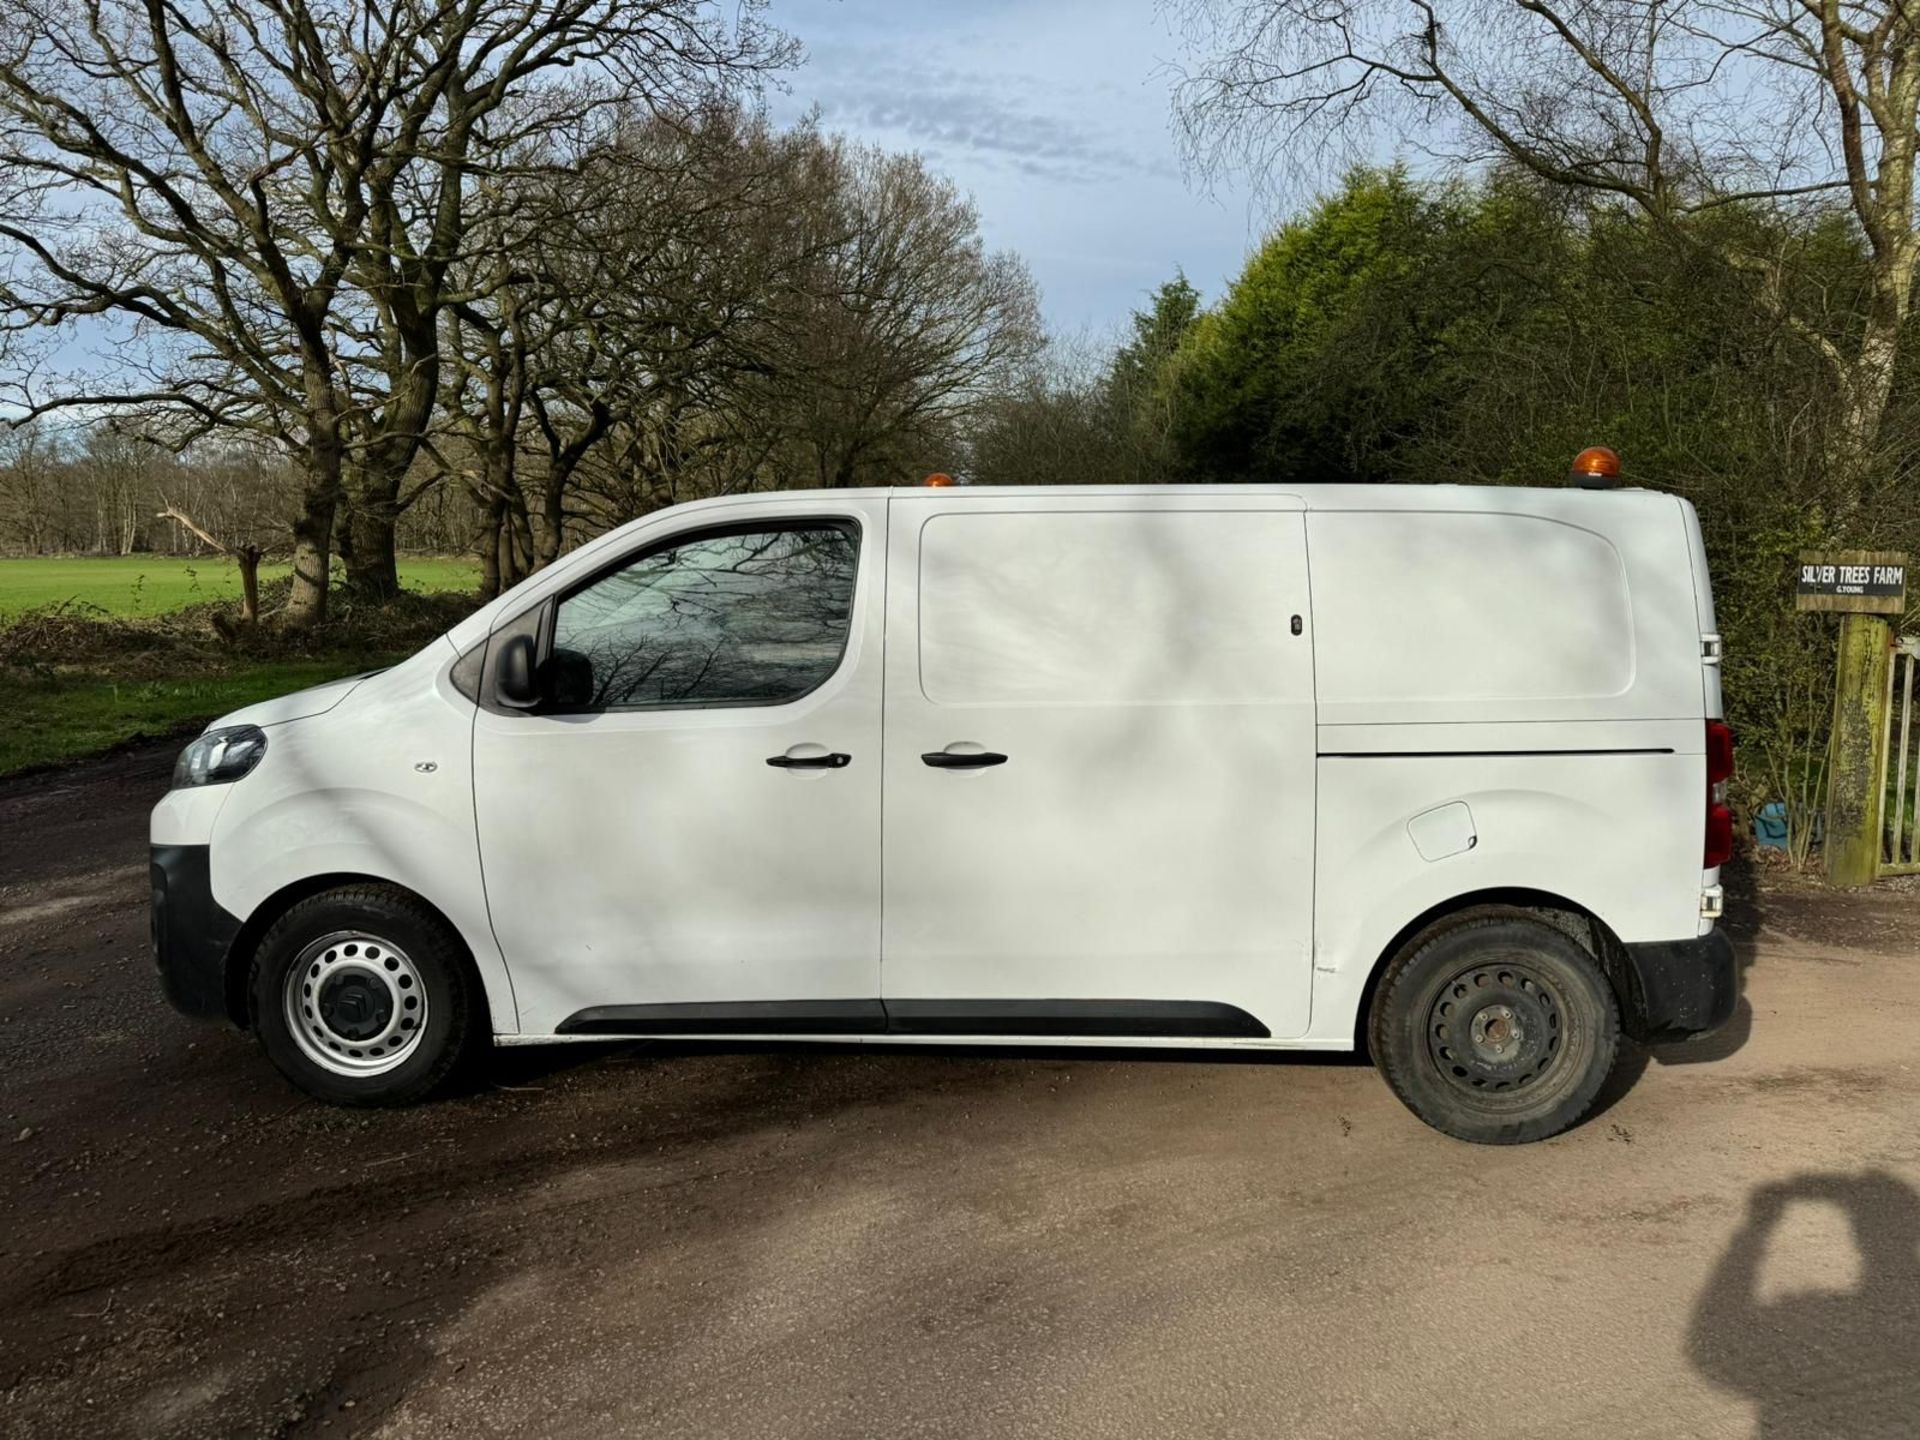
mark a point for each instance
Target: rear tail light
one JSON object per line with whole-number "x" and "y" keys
{"x": 1719, "y": 753}
{"x": 1719, "y": 837}
{"x": 1719, "y": 842}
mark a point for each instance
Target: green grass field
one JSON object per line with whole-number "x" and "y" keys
{"x": 61, "y": 708}
{"x": 51, "y": 720}
{"x": 156, "y": 584}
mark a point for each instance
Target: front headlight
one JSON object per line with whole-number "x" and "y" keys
{"x": 220, "y": 757}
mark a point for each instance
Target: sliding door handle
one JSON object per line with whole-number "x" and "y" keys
{"x": 962, "y": 760}
{"x": 836, "y": 761}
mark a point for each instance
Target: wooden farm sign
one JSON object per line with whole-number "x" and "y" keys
{"x": 1869, "y": 582}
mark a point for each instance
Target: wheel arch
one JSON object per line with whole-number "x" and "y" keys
{"x": 1573, "y": 919}
{"x": 239, "y": 963}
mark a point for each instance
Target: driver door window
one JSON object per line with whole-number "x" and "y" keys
{"x": 741, "y": 617}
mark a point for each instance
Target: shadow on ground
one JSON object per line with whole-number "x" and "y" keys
{"x": 513, "y": 1067}
{"x": 1820, "y": 1363}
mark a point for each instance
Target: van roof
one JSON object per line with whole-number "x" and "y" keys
{"x": 1434, "y": 495}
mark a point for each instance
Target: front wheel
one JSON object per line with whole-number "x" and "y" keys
{"x": 362, "y": 996}
{"x": 1499, "y": 1030}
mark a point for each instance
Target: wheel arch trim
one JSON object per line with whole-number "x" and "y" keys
{"x": 1578, "y": 922}
{"x": 239, "y": 961}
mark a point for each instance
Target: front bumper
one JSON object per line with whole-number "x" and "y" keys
{"x": 192, "y": 935}
{"x": 1682, "y": 987}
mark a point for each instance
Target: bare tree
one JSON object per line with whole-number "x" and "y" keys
{"x": 586, "y": 295}
{"x": 266, "y": 197}
{"x": 246, "y": 551}
{"x": 147, "y": 155}
{"x": 115, "y": 465}
{"x": 1676, "y": 108}
{"x": 709, "y": 238}
{"x": 105, "y": 490}
{"x": 29, "y": 480}
{"x": 904, "y": 329}
{"x": 516, "y": 90}
{"x": 709, "y": 306}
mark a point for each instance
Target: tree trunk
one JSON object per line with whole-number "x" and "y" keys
{"x": 503, "y": 551}
{"x": 489, "y": 548}
{"x": 1865, "y": 381}
{"x": 247, "y": 557}
{"x": 499, "y": 568}
{"x": 312, "y": 553}
{"x": 548, "y": 521}
{"x": 510, "y": 549}
{"x": 1857, "y": 776}
{"x": 519, "y": 535}
{"x": 373, "y": 571}
{"x": 1865, "y": 385}
{"x": 373, "y": 568}
{"x": 313, "y": 526}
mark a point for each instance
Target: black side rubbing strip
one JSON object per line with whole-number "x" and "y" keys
{"x": 1184, "y": 1019}
{"x": 1167, "y": 1019}
{"x": 734, "y": 1017}
{"x": 1477, "y": 754}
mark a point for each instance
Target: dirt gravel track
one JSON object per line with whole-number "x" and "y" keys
{"x": 651, "y": 1241}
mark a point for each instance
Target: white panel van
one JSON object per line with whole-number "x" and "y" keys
{"x": 1435, "y": 771}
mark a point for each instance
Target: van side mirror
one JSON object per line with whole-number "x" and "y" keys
{"x": 514, "y": 684}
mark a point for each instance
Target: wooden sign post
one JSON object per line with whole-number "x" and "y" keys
{"x": 1865, "y": 587}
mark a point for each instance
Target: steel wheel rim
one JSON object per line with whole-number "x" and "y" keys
{"x": 355, "y": 1003}
{"x": 1498, "y": 1030}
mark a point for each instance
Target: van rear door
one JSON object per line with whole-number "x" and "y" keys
{"x": 1099, "y": 776}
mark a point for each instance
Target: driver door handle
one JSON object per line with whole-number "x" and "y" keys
{"x": 962, "y": 760}
{"x": 836, "y": 761}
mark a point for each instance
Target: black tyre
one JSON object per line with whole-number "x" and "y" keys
{"x": 1498, "y": 1029}
{"x": 364, "y": 996}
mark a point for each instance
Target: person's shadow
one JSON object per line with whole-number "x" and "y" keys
{"x": 1827, "y": 1363}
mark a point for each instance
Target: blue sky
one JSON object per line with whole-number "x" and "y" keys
{"x": 1053, "y": 114}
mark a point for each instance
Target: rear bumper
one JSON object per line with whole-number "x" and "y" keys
{"x": 1682, "y": 987}
{"x": 191, "y": 933}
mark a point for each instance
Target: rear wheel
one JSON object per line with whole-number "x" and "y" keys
{"x": 1498, "y": 1030}
{"x": 362, "y": 996}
